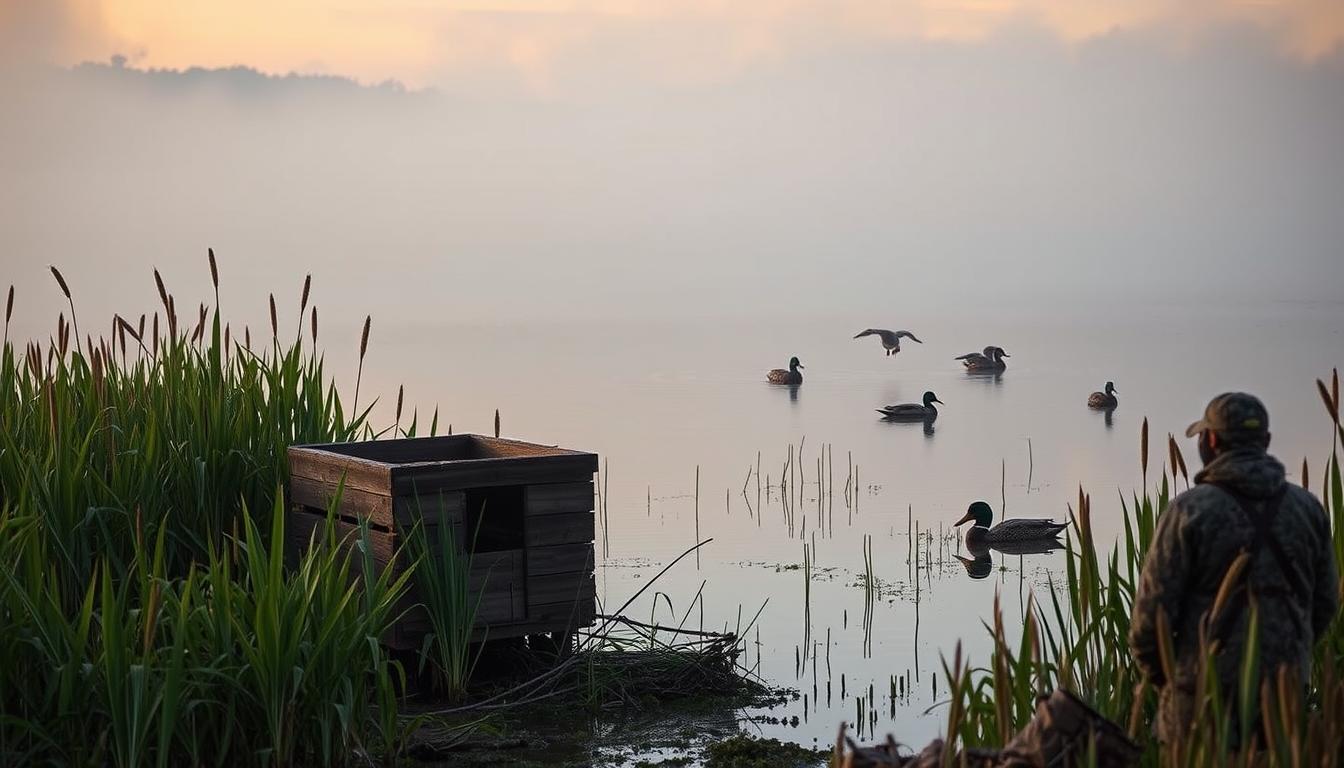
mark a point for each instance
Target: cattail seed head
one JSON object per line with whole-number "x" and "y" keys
{"x": 163, "y": 292}
{"x": 1306, "y": 477}
{"x": 275, "y": 329}
{"x": 214, "y": 268}
{"x": 1143, "y": 447}
{"x": 401, "y": 391}
{"x": 140, "y": 329}
{"x": 364, "y": 338}
{"x": 314, "y": 324}
{"x": 496, "y": 422}
{"x": 307, "y": 285}
{"x": 9, "y": 304}
{"x": 65, "y": 289}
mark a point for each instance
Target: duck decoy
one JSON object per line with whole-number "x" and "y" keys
{"x": 1104, "y": 400}
{"x": 791, "y": 377}
{"x": 891, "y": 340}
{"x": 990, "y": 359}
{"x": 913, "y": 411}
{"x": 1007, "y": 532}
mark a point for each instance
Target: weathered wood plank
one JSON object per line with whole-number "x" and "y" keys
{"x": 355, "y": 504}
{"x": 443, "y": 448}
{"x": 559, "y": 558}
{"x": 568, "y": 614}
{"x": 303, "y": 527}
{"x": 435, "y": 507}
{"x": 432, "y": 477}
{"x": 557, "y": 498}
{"x": 560, "y": 587}
{"x": 330, "y": 468}
{"x": 549, "y": 530}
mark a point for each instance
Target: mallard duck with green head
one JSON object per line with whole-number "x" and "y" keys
{"x": 913, "y": 411}
{"x": 791, "y": 377}
{"x": 989, "y": 359}
{"x": 1008, "y": 531}
{"x": 1104, "y": 400}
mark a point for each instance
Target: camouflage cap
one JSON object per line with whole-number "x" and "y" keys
{"x": 1235, "y": 417}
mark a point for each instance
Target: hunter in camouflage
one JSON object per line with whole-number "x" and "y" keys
{"x": 1241, "y": 503}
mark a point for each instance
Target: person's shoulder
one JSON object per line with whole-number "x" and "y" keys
{"x": 1305, "y": 501}
{"x": 1199, "y": 498}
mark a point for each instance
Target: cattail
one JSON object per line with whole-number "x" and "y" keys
{"x": 275, "y": 329}
{"x": 247, "y": 338}
{"x": 214, "y": 271}
{"x": 363, "y": 348}
{"x": 1306, "y": 478}
{"x": 9, "y": 305}
{"x": 140, "y": 329}
{"x": 497, "y": 429}
{"x": 163, "y": 292}
{"x": 1143, "y": 449}
{"x": 155, "y": 352}
{"x": 98, "y": 375}
{"x": 61, "y": 281}
{"x": 401, "y": 390}
{"x": 307, "y": 285}
{"x": 1334, "y": 376}
{"x": 314, "y": 324}
{"x": 226, "y": 338}
{"x": 172, "y": 319}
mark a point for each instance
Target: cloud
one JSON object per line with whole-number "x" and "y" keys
{"x": 537, "y": 42}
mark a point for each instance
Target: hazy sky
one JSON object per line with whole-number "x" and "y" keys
{"x": 592, "y": 157}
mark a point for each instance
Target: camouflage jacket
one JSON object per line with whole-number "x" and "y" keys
{"x": 1199, "y": 536}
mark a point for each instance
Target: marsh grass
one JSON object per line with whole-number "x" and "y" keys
{"x": 149, "y": 615}
{"x": 1076, "y": 637}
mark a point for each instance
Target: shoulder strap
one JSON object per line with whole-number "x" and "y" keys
{"x": 1262, "y": 525}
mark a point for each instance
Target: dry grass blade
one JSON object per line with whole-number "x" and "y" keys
{"x": 1230, "y": 582}
{"x": 1329, "y": 401}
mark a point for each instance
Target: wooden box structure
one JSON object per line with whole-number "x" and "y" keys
{"x": 524, "y": 511}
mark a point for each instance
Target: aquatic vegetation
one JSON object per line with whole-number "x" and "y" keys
{"x": 1076, "y": 637}
{"x": 149, "y": 614}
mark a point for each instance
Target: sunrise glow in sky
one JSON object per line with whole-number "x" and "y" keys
{"x": 424, "y": 42}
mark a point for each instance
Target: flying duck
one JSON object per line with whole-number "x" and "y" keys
{"x": 891, "y": 340}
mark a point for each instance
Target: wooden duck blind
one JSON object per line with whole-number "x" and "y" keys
{"x": 523, "y": 511}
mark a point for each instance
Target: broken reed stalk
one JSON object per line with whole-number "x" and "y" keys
{"x": 697, "y": 514}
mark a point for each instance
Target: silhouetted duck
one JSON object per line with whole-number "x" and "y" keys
{"x": 791, "y": 376}
{"x": 991, "y": 359}
{"x": 1016, "y": 530}
{"x": 912, "y": 411}
{"x": 1104, "y": 400}
{"x": 891, "y": 340}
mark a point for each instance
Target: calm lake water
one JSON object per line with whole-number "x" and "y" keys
{"x": 660, "y": 400}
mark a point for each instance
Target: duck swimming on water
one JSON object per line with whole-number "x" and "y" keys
{"x": 913, "y": 411}
{"x": 891, "y": 340}
{"x": 1007, "y": 532}
{"x": 791, "y": 377}
{"x": 1106, "y": 400}
{"x": 990, "y": 359}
